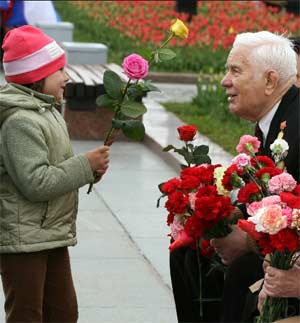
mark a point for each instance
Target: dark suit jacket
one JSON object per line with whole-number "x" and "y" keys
{"x": 288, "y": 111}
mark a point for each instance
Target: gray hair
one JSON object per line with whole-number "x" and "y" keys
{"x": 270, "y": 51}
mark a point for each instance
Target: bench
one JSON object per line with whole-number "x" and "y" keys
{"x": 61, "y": 31}
{"x": 84, "y": 120}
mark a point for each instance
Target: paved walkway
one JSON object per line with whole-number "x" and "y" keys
{"x": 120, "y": 264}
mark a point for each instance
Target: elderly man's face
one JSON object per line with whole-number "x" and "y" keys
{"x": 245, "y": 85}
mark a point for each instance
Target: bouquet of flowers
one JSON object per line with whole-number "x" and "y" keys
{"x": 199, "y": 207}
{"x": 272, "y": 198}
{"x": 124, "y": 98}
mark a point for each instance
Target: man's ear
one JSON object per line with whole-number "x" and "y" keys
{"x": 271, "y": 81}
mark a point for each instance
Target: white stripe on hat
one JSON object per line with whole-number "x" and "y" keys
{"x": 32, "y": 62}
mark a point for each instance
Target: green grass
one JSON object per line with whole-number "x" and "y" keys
{"x": 225, "y": 132}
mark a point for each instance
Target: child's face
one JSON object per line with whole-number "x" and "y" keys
{"x": 55, "y": 84}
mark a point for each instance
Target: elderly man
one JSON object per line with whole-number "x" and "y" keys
{"x": 261, "y": 71}
{"x": 259, "y": 83}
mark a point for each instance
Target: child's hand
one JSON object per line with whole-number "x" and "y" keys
{"x": 99, "y": 159}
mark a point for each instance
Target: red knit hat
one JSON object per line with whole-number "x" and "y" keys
{"x": 30, "y": 55}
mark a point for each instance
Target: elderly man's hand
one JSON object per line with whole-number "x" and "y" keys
{"x": 282, "y": 283}
{"x": 232, "y": 246}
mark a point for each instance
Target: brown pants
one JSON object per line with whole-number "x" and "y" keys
{"x": 38, "y": 287}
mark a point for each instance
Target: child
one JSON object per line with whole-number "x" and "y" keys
{"x": 39, "y": 181}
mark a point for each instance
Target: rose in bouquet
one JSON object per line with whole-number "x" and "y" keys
{"x": 124, "y": 98}
{"x": 272, "y": 199}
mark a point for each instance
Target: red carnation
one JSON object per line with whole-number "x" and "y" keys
{"x": 207, "y": 208}
{"x": 264, "y": 244}
{"x": 285, "y": 239}
{"x": 228, "y": 177}
{"x": 190, "y": 182}
{"x": 290, "y": 199}
{"x": 177, "y": 202}
{"x": 249, "y": 227}
{"x": 190, "y": 171}
{"x": 206, "y": 174}
{"x": 170, "y": 218}
{"x": 187, "y": 133}
{"x": 193, "y": 227}
{"x": 296, "y": 190}
{"x": 209, "y": 190}
{"x": 170, "y": 186}
{"x": 271, "y": 171}
{"x": 264, "y": 161}
{"x": 248, "y": 193}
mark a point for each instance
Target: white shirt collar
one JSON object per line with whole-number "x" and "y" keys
{"x": 265, "y": 122}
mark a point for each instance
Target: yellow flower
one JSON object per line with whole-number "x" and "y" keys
{"x": 179, "y": 29}
{"x": 218, "y": 176}
{"x": 231, "y": 30}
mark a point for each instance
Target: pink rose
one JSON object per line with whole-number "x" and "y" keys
{"x": 135, "y": 66}
{"x": 248, "y": 144}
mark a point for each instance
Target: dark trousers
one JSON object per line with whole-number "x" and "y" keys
{"x": 241, "y": 274}
{"x": 186, "y": 287}
{"x": 233, "y": 290}
{"x": 38, "y": 287}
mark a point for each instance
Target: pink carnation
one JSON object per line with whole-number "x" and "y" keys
{"x": 135, "y": 66}
{"x": 248, "y": 144}
{"x": 241, "y": 160}
{"x": 288, "y": 213}
{"x": 192, "y": 199}
{"x": 253, "y": 208}
{"x": 269, "y": 219}
{"x": 281, "y": 183}
{"x": 273, "y": 220}
{"x": 176, "y": 228}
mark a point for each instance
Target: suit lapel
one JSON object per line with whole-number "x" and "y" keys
{"x": 279, "y": 117}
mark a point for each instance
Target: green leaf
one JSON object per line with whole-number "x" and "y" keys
{"x": 117, "y": 123}
{"x": 202, "y": 159}
{"x": 169, "y": 147}
{"x": 135, "y": 92}
{"x": 166, "y": 54}
{"x": 133, "y": 109}
{"x": 146, "y": 53}
{"x": 148, "y": 86}
{"x": 183, "y": 152}
{"x": 112, "y": 84}
{"x": 201, "y": 150}
{"x": 105, "y": 101}
{"x": 133, "y": 129}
